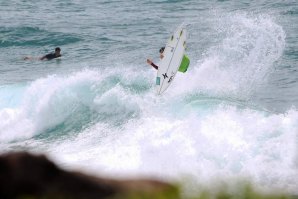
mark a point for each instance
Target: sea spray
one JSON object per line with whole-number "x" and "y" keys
{"x": 249, "y": 47}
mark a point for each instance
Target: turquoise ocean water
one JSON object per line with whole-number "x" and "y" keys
{"x": 232, "y": 115}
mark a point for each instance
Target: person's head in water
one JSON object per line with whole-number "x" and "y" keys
{"x": 57, "y": 51}
{"x": 161, "y": 50}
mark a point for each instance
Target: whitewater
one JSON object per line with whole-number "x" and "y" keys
{"x": 233, "y": 114}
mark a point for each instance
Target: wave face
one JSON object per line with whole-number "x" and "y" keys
{"x": 231, "y": 115}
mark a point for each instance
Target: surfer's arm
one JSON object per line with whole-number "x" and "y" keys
{"x": 152, "y": 64}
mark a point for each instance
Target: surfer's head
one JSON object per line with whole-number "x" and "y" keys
{"x": 161, "y": 50}
{"x": 57, "y": 51}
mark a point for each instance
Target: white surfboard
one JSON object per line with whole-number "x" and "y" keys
{"x": 173, "y": 54}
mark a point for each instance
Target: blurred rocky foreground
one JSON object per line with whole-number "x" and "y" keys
{"x": 28, "y": 176}
{"x": 24, "y": 175}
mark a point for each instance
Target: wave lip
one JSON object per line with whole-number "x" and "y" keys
{"x": 46, "y": 103}
{"x": 70, "y": 104}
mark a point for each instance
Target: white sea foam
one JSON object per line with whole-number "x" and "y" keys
{"x": 227, "y": 142}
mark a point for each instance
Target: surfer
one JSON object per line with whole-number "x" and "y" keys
{"x": 183, "y": 66}
{"x": 161, "y": 50}
{"x": 49, "y": 56}
{"x": 54, "y": 55}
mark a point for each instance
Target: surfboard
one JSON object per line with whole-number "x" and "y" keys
{"x": 169, "y": 65}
